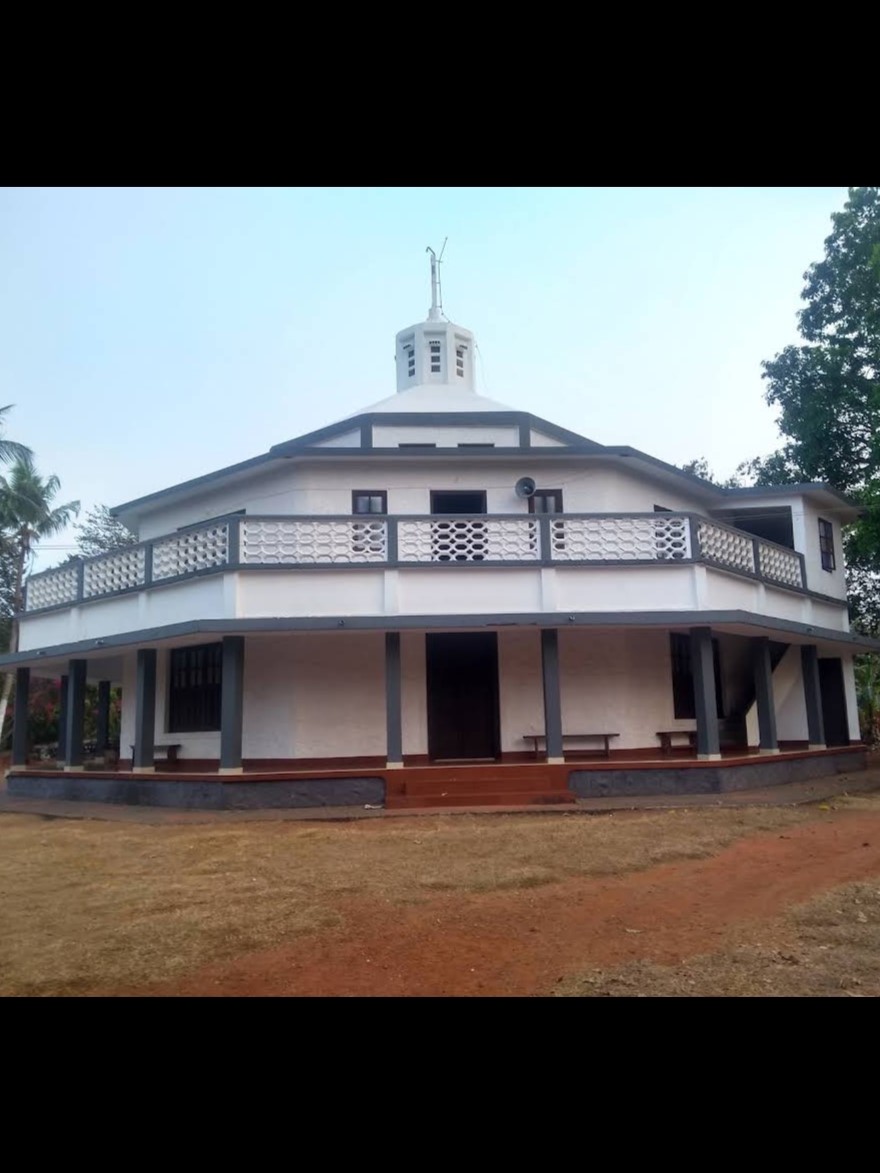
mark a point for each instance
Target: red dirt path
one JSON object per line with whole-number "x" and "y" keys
{"x": 523, "y": 942}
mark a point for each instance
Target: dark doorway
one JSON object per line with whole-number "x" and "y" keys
{"x": 458, "y": 541}
{"x": 458, "y": 502}
{"x": 833, "y": 702}
{"x": 462, "y": 681}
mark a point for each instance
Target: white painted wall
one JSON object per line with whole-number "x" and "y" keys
{"x": 267, "y": 593}
{"x": 852, "y": 701}
{"x": 443, "y": 589}
{"x": 388, "y": 436}
{"x": 325, "y": 486}
{"x": 788, "y": 699}
{"x": 610, "y": 681}
{"x": 414, "y": 699}
{"x": 805, "y": 533}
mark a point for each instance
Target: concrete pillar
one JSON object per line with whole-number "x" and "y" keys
{"x": 231, "y": 704}
{"x": 20, "y": 717}
{"x": 705, "y": 699}
{"x": 393, "y": 712}
{"x": 552, "y": 701}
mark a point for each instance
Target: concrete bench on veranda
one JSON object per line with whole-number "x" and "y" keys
{"x": 170, "y": 753}
{"x": 536, "y": 738}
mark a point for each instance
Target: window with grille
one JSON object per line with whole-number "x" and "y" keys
{"x": 826, "y": 544}
{"x": 435, "y": 357}
{"x": 459, "y": 361}
{"x": 195, "y": 678}
{"x": 369, "y": 501}
{"x": 410, "y": 354}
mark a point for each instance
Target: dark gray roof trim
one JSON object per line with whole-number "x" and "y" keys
{"x": 574, "y": 444}
{"x": 149, "y": 635}
{"x": 431, "y": 419}
{"x": 196, "y": 482}
{"x": 795, "y": 488}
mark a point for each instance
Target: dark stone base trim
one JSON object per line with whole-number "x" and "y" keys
{"x": 717, "y": 778}
{"x": 189, "y": 794}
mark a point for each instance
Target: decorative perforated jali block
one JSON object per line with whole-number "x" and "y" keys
{"x": 619, "y": 539}
{"x": 780, "y": 565}
{"x": 52, "y": 589}
{"x": 292, "y": 543}
{"x": 468, "y": 539}
{"x": 116, "y": 572}
{"x": 191, "y": 551}
{"x": 726, "y": 546}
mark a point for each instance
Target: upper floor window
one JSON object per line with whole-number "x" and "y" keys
{"x": 826, "y": 544}
{"x": 459, "y": 361}
{"x": 369, "y": 501}
{"x": 435, "y": 357}
{"x": 410, "y": 353}
{"x": 546, "y": 501}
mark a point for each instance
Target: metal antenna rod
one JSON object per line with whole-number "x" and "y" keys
{"x": 436, "y": 289}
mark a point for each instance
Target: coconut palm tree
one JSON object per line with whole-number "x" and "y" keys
{"x": 27, "y": 513}
{"x": 9, "y": 449}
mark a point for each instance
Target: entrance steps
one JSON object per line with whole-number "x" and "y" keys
{"x": 477, "y": 785}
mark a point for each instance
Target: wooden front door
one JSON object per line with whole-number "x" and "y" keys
{"x": 462, "y": 683}
{"x": 833, "y": 702}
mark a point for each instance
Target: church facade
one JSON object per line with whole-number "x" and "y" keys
{"x": 445, "y": 599}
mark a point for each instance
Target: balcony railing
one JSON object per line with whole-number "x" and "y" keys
{"x": 570, "y": 539}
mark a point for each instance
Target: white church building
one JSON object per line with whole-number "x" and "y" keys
{"x": 445, "y": 600}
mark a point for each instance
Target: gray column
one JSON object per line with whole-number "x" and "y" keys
{"x": 705, "y": 700}
{"x": 552, "y": 704}
{"x": 145, "y": 712}
{"x": 763, "y": 671}
{"x": 393, "y": 693}
{"x": 102, "y": 732}
{"x": 76, "y": 703}
{"x": 813, "y": 696}
{"x": 231, "y": 704}
{"x": 61, "y": 755}
{"x": 20, "y": 717}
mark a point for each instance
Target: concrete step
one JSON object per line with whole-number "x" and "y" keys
{"x": 489, "y": 784}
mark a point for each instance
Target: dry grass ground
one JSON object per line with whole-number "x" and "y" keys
{"x": 828, "y": 947}
{"x": 87, "y": 905}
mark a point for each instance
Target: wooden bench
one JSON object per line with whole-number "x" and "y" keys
{"x": 666, "y": 736}
{"x": 170, "y": 752}
{"x": 535, "y": 738}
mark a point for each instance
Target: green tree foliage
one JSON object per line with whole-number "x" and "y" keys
{"x": 700, "y": 468}
{"x": 100, "y": 533}
{"x": 828, "y": 390}
{"x": 28, "y": 512}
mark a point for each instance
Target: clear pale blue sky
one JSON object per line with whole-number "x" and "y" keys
{"x": 151, "y": 335}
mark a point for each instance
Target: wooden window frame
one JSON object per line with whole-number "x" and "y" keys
{"x": 381, "y": 493}
{"x": 188, "y": 698}
{"x": 826, "y": 545}
{"x": 544, "y": 493}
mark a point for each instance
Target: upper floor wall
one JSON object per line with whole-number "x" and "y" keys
{"x": 586, "y": 484}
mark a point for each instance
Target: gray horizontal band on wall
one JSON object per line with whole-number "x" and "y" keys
{"x": 849, "y": 641}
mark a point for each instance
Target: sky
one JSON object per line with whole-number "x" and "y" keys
{"x": 150, "y": 335}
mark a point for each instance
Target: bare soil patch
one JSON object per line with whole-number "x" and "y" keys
{"x": 431, "y": 906}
